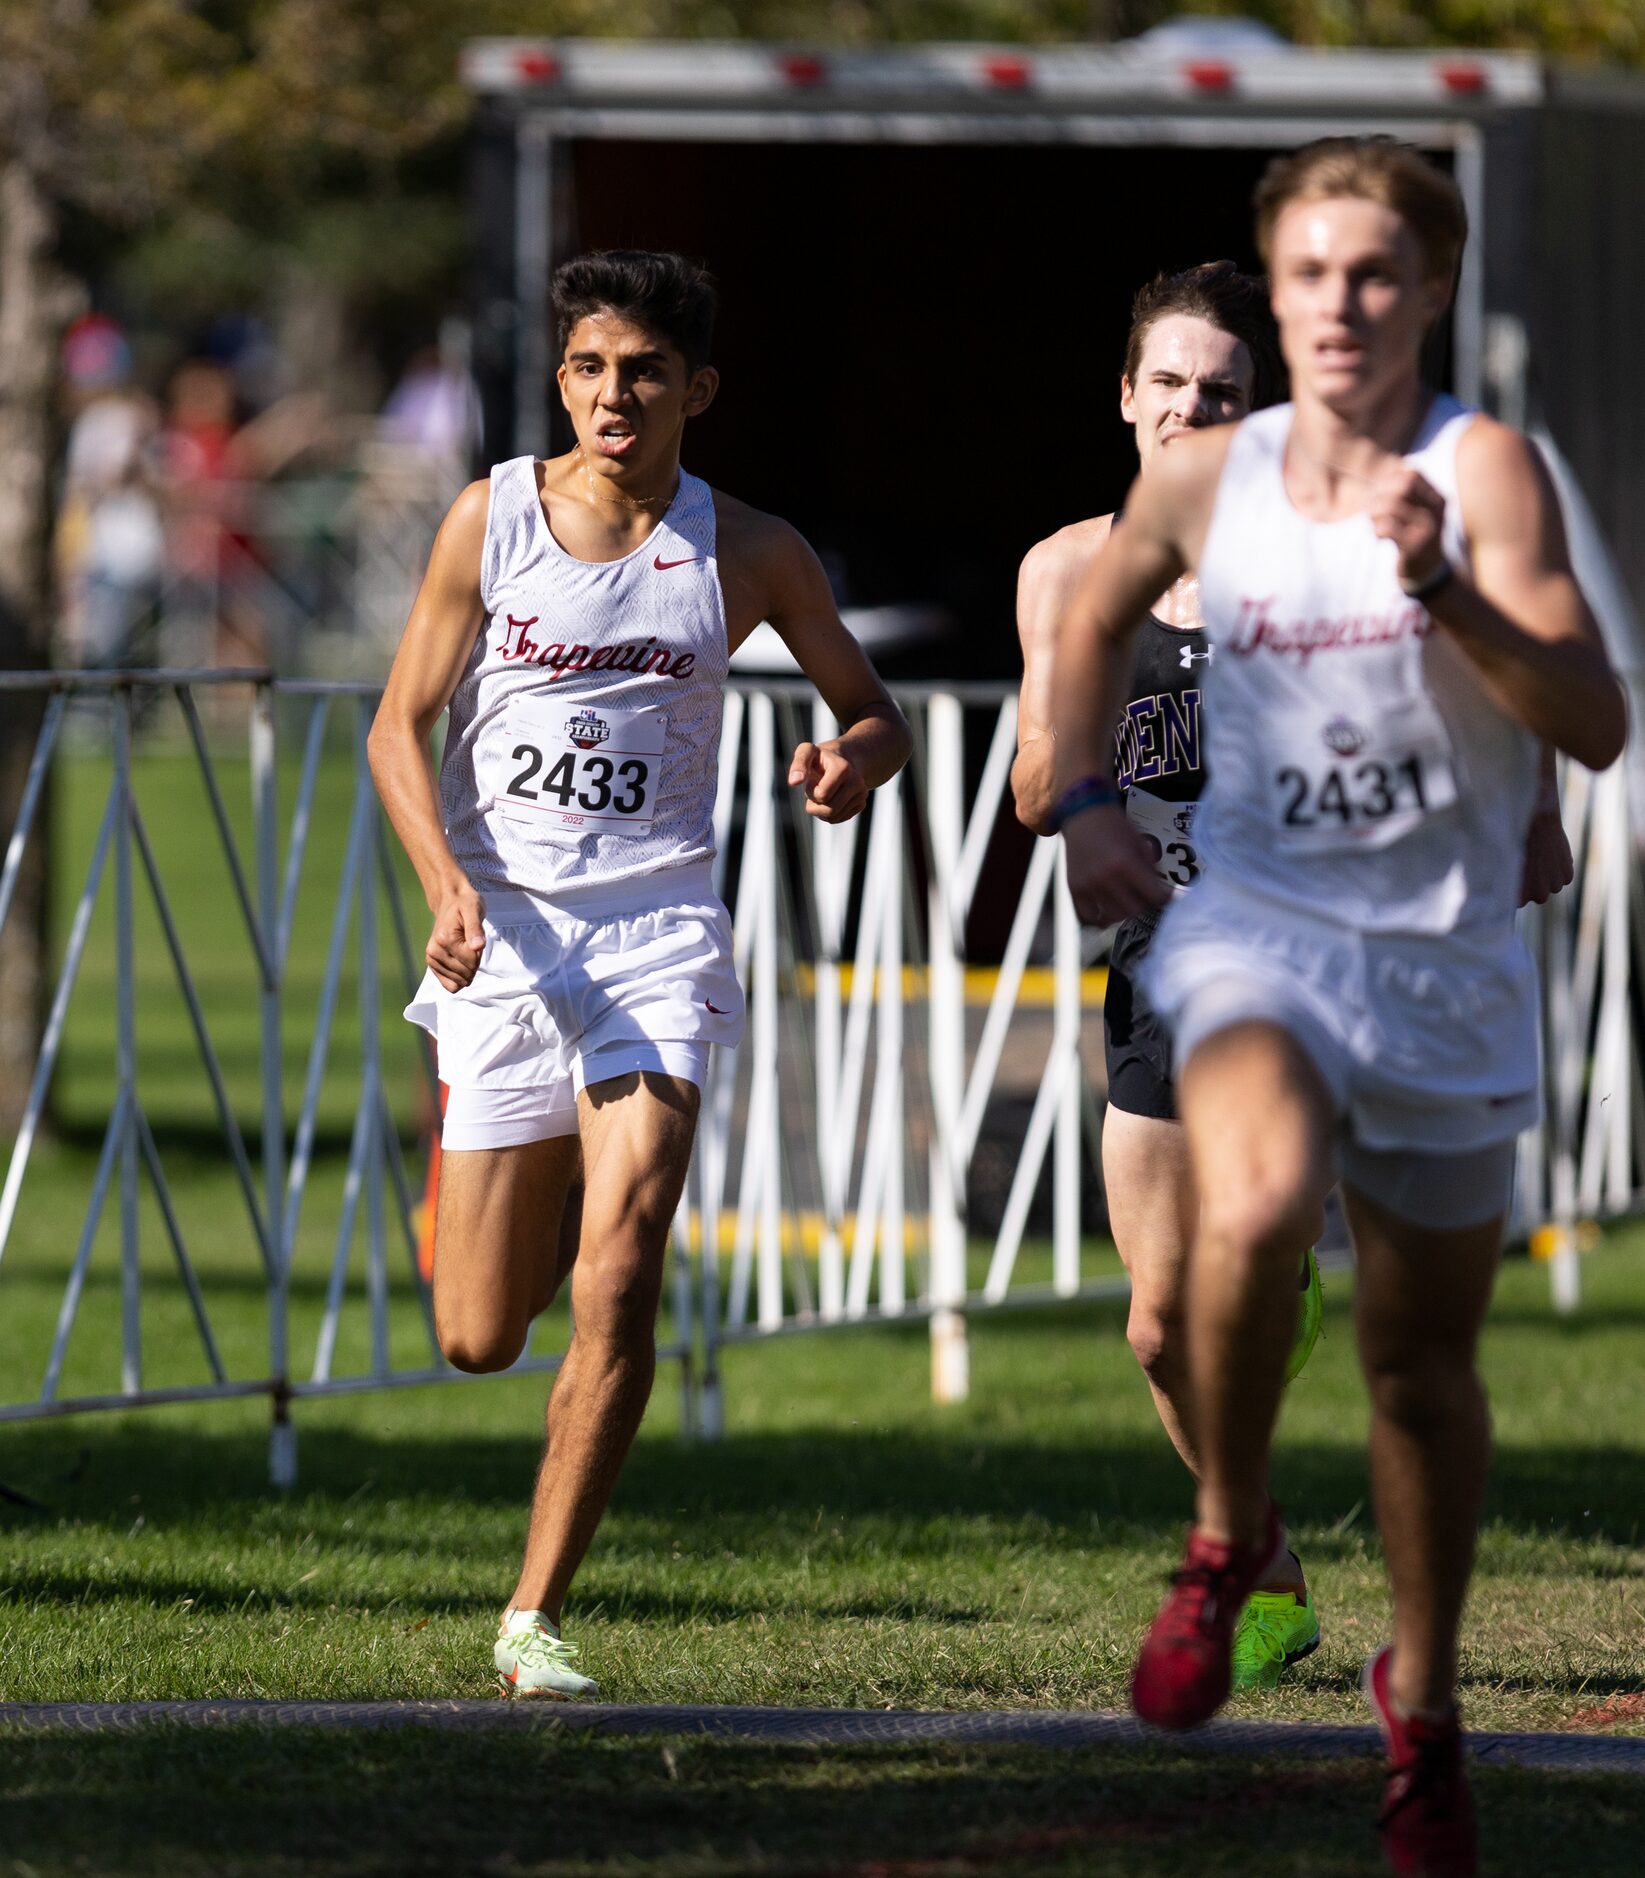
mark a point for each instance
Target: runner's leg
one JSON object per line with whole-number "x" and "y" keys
{"x": 637, "y": 1132}
{"x": 497, "y": 1252}
{"x": 1259, "y": 1120}
{"x": 1419, "y": 1300}
{"x": 1150, "y": 1186}
{"x": 551, "y": 1274}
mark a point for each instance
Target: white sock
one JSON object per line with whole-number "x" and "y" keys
{"x": 514, "y": 1619}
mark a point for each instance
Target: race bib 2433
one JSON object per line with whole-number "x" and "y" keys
{"x": 575, "y": 770}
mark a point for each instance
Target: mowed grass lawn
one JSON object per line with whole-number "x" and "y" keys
{"x": 847, "y": 1542}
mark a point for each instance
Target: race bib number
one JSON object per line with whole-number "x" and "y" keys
{"x": 1366, "y": 782}
{"x": 573, "y": 771}
{"x": 1167, "y": 827}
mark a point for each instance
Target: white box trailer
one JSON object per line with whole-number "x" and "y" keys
{"x": 928, "y": 254}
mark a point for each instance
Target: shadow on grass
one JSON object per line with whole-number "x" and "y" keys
{"x": 419, "y": 1801}
{"x": 189, "y": 1147}
{"x": 1088, "y": 1494}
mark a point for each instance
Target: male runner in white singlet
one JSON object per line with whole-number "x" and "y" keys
{"x": 1201, "y": 350}
{"x": 577, "y": 619}
{"x": 1385, "y": 578}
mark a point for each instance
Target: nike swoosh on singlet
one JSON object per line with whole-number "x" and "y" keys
{"x": 663, "y": 566}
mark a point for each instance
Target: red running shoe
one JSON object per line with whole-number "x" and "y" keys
{"x": 1427, "y": 1816}
{"x": 1183, "y": 1670}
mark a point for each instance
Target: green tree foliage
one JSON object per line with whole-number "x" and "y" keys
{"x": 1590, "y": 29}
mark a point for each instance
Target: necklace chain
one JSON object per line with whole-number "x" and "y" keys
{"x": 626, "y": 502}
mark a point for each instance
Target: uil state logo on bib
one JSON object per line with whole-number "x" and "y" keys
{"x": 582, "y": 772}
{"x": 1344, "y": 736}
{"x": 587, "y": 730}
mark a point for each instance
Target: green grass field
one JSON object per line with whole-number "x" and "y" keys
{"x": 847, "y": 1542}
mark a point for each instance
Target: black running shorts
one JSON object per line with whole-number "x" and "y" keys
{"x": 1136, "y": 1044}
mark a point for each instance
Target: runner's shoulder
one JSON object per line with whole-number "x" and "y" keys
{"x": 1491, "y": 454}
{"x": 1506, "y": 491}
{"x": 1067, "y": 553}
{"x": 1050, "y": 576}
{"x": 465, "y": 520}
{"x": 459, "y": 547}
{"x": 755, "y": 545}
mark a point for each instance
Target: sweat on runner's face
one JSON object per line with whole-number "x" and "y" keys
{"x": 1191, "y": 375}
{"x": 628, "y": 391}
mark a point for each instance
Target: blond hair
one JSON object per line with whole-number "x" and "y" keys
{"x": 1375, "y": 169}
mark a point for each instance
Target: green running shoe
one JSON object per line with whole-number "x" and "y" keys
{"x": 1310, "y": 1309}
{"x": 531, "y": 1659}
{"x": 1276, "y": 1629}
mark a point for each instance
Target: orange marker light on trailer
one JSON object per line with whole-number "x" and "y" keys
{"x": 1008, "y": 74}
{"x": 537, "y": 68}
{"x": 1462, "y": 78}
{"x": 802, "y": 68}
{"x": 1209, "y": 75}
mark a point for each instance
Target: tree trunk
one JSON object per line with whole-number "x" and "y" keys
{"x": 35, "y": 302}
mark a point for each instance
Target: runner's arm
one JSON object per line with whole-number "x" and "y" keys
{"x": 1049, "y": 578}
{"x": 439, "y": 637}
{"x": 874, "y": 740}
{"x": 1110, "y": 871}
{"x": 1548, "y": 867}
{"x": 1522, "y": 619}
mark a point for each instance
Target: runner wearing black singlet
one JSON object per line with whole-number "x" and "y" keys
{"x": 1158, "y": 763}
{"x": 1201, "y": 352}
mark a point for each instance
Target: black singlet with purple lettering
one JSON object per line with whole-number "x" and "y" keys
{"x": 1159, "y": 762}
{"x": 1158, "y": 745}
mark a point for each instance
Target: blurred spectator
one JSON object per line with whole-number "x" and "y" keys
{"x": 435, "y": 408}
{"x": 110, "y": 540}
{"x": 214, "y": 563}
{"x": 243, "y": 343}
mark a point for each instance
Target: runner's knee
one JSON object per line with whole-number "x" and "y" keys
{"x": 1257, "y": 1218}
{"x": 616, "y": 1304}
{"x": 1423, "y": 1392}
{"x": 478, "y": 1343}
{"x": 1156, "y": 1343}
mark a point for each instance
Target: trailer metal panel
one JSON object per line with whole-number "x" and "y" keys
{"x": 1063, "y": 77}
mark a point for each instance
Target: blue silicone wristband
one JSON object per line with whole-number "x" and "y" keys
{"x": 1090, "y": 792}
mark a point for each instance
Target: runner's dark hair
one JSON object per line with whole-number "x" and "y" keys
{"x": 1235, "y": 303}
{"x": 667, "y": 294}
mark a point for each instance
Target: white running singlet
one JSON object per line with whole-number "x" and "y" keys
{"x": 584, "y": 735}
{"x": 1358, "y": 768}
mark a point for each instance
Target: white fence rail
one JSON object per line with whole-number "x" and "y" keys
{"x": 903, "y": 1135}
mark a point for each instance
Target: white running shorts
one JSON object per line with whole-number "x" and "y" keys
{"x": 1429, "y": 1046}
{"x": 576, "y": 993}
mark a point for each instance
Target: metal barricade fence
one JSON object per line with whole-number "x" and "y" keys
{"x": 837, "y": 1178}
{"x": 267, "y": 862}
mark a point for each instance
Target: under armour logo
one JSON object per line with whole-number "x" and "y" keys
{"x": 1187, "y": 658}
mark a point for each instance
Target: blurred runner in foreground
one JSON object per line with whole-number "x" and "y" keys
{"x": 1385, "y": 577}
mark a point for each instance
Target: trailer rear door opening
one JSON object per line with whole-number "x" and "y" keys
{"x": 920, "y": 346}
